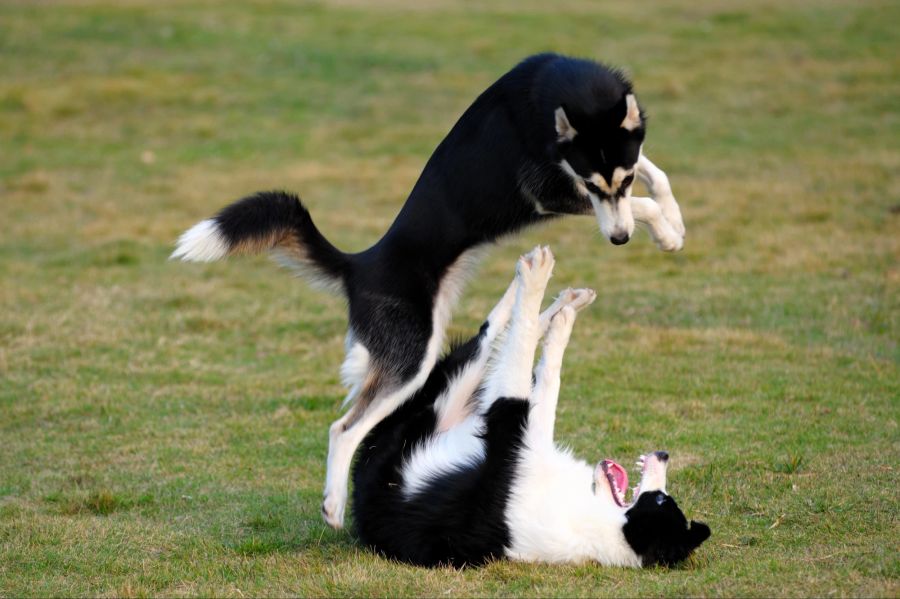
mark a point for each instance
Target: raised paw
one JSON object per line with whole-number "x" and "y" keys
{"x": 561, "y": 327}
{"x": 672, "y": 213}
{"x": 582, "y": 298}
{"x": 534, "y": 269}
{"x": 577, "y": 298}
{"x": 667, "y": 239}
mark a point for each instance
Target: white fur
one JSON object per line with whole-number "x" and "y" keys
{"x": 452, "y": 405}
{"x": 553, "y": 516}
{"x": 354, "y": 368}
{"x": 451, "y": 286}
{"x": 545, "y": 393}
{"x": 661, "y": 191}
{"x": 452, "y": 449}
{"x": 301, "y": 266}
{"x": 201, "y": 243}
{"x": 649, "y": 213}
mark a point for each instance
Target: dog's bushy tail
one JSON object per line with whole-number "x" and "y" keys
{"x": 273, "y": 221}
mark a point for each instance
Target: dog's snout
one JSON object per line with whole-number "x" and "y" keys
{"x": 662, "y": 456}
{"x": 620, "y": 239}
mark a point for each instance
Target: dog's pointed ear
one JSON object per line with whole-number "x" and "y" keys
{"x": 632, "y": 118}
{"x": 697, "y": 533}
{"x": 564, "y": 129}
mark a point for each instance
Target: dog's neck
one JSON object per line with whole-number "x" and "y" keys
{"x": 565, "y": 521}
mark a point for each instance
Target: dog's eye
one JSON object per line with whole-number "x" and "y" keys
{"x": 660, "y": 499}
{"x": 592, "y": 187}
{"x": 627, "y": 181}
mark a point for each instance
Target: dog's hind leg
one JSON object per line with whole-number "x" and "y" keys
{"x": 649, "y": 213}
{"x": 452, "y": 407}
{"x": 347, "y": 433}
{"x": 577, "y": 298}
{"x": 379, "y": 395}
{"x": 511, "y": 373}
{"x": 545, "y": 394}
{"x": 661, "y": 191}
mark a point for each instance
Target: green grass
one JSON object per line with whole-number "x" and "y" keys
{"x": 163, "y": 426}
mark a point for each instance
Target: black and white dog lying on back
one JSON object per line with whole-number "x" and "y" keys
{"x": 553, "y": 136}
{"x": 467, "y": 469}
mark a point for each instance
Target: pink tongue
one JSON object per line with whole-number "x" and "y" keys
{"x": 618, "y": 473}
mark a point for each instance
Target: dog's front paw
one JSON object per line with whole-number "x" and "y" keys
{"x": 534, "y": 269}
{"x": 333, "y": 510}
{"x": 671, "y": 242}
{"x": 664, "y": 233}
{"x": 672, "y": 213}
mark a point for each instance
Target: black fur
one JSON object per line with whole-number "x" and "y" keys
{"x": 658, "y": 531}
{"x": 459, "y": 518}
{"x": 278, "y": 213}
{"x": 482, "y": 182}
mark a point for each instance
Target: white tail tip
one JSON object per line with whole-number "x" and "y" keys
{"x": 201, "y": 243}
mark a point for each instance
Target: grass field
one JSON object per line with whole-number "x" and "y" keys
{"x": 163, "y": 426}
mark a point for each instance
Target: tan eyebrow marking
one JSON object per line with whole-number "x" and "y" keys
{"x": 619, "y": 175}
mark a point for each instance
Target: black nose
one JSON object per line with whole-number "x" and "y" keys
{"x": 662, "y": 456}
{"x": 619, "y": 239}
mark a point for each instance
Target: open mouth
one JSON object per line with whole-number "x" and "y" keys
{"x": 618, "y": 481}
